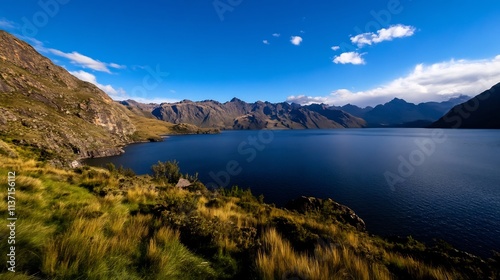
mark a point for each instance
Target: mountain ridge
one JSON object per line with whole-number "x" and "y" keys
{"x": 400, "y": 113}
{"x": 238, "y": 114}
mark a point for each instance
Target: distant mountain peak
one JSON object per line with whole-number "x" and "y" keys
{"x": 398, "y": 100}
{"x": 235, "y": 99}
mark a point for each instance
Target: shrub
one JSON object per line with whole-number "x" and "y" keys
{"x": 111, "y": 167}
{"x": 167, "y": 171}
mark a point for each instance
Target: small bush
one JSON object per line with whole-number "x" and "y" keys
{"x": 167, "y": 171}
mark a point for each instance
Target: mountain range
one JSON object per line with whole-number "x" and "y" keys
{"x": 398, "y": 112}
{"x": 237, "y": 114}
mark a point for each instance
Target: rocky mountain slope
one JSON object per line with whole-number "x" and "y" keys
{"x": 44, "y": 107}
{"x": 237, "y": 114}
{"x": 482, "y": 111}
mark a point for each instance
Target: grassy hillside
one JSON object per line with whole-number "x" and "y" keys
{"x": 45, "y": 108}
{"x": 92, "y": 223}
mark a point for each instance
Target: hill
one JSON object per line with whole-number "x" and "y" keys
{"x": 47, "y": 109}
{"x": 478, "y": 112}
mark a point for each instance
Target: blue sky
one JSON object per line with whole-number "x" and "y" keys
{"x": 337, "y": 52}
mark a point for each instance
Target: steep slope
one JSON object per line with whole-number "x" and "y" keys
{"x": 237, "y": 114}
{"x": 482, "y": 111}
{"x": 48, "y": 109}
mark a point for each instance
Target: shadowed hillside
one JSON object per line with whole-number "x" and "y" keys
{"x": 482, "y": 111}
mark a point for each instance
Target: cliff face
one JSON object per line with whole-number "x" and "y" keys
{"x": 479, "y": 112}
{"x": 47, "y": 108}
{"x": 237, "y": 114}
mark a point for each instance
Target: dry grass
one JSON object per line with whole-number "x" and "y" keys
{"x": 278, "y": 260}
{"x": 139, "y": 194}
{"x": 229, "y": 212}
{"x": 417, "y": 269}
{"x": 25, "y": 183}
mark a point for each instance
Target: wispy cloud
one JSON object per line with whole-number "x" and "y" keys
{"x": 265, "y": 42}
{"x": 349, "y": 58}
{"x": 438, "y": 81}
{"x": 85, "y": 61}
{"x": 335, "y": 48}
{"x": 296, "y": 40}
{"x": 117, "y": 66}
{"x": 276, "y": 35}
{"x": 384, "y": 34}
{"x": 7, "y": 24}
{"x": 110, "y": 90}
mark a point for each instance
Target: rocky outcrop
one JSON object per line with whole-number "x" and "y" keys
{"x": 326, "y": 207}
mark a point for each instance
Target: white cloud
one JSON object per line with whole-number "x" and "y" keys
{"x": 87, "y": 77}
{"x": 349, "y": 58}
{"x": 120, "y": 94}
{"x": 276, "y": 35}
{"x": 7, "y": 24}
{"x": 85, "y": 61}
{"x": 335, "y": 48}
{"x": 74, "y": 57}
{"x": 394, "y": 31}
{"x": 435, "y": 82}
{"x": 266, "y": 42}
{"x": 296, "y": 40}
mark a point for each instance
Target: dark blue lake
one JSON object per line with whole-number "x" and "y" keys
{"x": 420, "y": 182}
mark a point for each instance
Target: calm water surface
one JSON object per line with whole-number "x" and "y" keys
{"x": 451, "y": 187}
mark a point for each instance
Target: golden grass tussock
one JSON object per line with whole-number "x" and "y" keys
{"x": 139, "y": 194}
{"x": 417, "y": 269}
{"x": 82, "y": 248}
{"x": 6, "y": 150}
{"x": 169, "y": 259}
{"x": 278, "y": 260}
{"x": 25, "y": 183}
{"x": 228, "y": 212}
